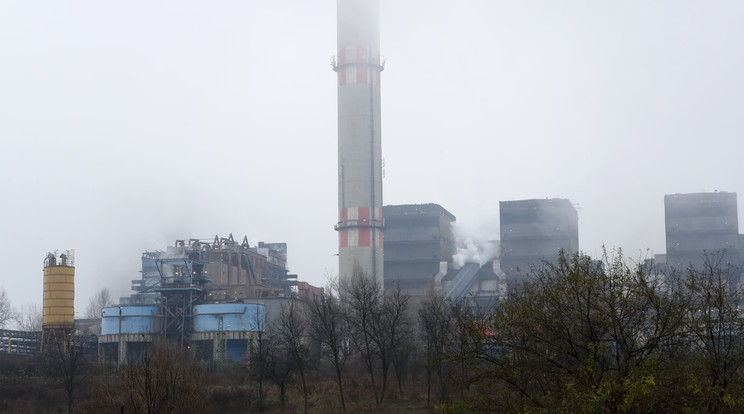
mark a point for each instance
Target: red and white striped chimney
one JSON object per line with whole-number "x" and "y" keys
{"x": 360, "y": 223}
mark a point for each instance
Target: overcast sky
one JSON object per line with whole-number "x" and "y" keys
{"x": 128, "y": 125}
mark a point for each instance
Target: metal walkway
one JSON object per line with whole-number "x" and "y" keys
{"x": 20, "y": 342}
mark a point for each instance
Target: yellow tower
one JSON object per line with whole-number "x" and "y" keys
{"x": 59, "y": 297}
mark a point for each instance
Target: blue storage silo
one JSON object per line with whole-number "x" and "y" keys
{"x": 236, "y": 317}
{"x": 130, "y": 320}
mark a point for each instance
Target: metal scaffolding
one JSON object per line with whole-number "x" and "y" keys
{"x": 182, "y": 281}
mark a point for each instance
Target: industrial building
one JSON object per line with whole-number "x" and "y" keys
{"x": 483, "y": 285}
{"x": 230, "y": 270}
{"x": 357, "y": 65}
{"x": 419, "y": 248}
{"x": 208, "y": 295}
{"x": 701, "y": 223}
{"x": 532, "y": 231}
{"x": 536, "y": 230}
{"x": 418, "y": 242}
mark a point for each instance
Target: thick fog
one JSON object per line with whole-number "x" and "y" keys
{"x": 128, "y": 125}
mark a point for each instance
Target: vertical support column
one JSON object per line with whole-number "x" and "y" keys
{"x": 247, "y": 357}
{"x": 215, "y": 347}
{"x": 122, "y": 352}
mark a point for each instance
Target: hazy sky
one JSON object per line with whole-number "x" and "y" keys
{"x": 128, "y": 125}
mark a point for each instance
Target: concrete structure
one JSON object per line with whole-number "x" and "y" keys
{"x": 482, "y": 286}
{"x": 126, "y": 330}
{"x": 223, "y": 330}
{"x": 532, "y": 231}
{"x": 701, "y": 223}
{"x": 536, "y": 230}
{"x": 208, "y": 295}
{"x": 308, "y": 292}
{"x": 59, "y": 297}
{"x": 358, "y": 67}
{"x": 231, "y": 270}
{"x": 477, "y": 277}
{"x": 218, "y": 330}
{"x": 418, "y": 240}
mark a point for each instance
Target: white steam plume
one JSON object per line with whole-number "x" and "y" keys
{"x": 473, "y": 246}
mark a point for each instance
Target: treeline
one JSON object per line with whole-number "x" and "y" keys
{"x": 578, "y": 335}
{"x": 589, "y": 336}
{"x": 355, "y": 330}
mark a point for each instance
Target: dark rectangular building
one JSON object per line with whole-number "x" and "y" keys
{"x": 701, "y": 223}
{"x": 536, "y": 230}
{"x": 418, "y": 237}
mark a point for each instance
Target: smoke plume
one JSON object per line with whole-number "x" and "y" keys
{"x": 473, "y": 245}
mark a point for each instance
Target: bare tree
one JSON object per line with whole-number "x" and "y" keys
{"x": 6, "y": 312}
{"x": 259, "y": 355}
{"x": 328, "y": 326}
{"x": 435, "y": 321}
{"x": 100, "y": 300}
{"x": 64, "y": 357}
{"x": 30, "y": 318}
{"x": 469, "y": 338}
{"x": 277, "y": 364}
{"x": 361, "y": 297}
{"x": 293, "y": 337}
{"x": 165, "y": 380}
{"x": 391, "y": 329}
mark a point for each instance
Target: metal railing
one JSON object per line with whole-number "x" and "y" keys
{"x": 351, "y": 223}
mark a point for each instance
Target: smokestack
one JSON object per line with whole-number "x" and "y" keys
{"x": 360, "y": 222}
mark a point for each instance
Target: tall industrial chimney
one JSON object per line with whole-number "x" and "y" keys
{"x": 360, "y": 222}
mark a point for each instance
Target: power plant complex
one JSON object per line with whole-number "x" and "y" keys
{"x": 211, "y": 295}
{"x": 208, "y": 295}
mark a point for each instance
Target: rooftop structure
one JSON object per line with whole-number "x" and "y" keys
{"x": 229, "y": 270}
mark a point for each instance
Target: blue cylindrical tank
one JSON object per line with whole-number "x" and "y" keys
{"x": 130, "y": 320}
{"x": 235, "y": 317}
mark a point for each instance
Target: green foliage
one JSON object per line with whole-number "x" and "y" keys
{"x": 592, "y": 336}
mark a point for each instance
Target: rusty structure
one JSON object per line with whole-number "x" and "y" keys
{"x": 222, "y": 268}
{"x": 200, "y": 271}
{"x": 204, "y": 294}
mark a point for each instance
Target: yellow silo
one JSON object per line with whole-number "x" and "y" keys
{"x": 59, "y": 296}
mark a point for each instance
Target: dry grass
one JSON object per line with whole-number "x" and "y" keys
{"x": 25, "y": 389}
